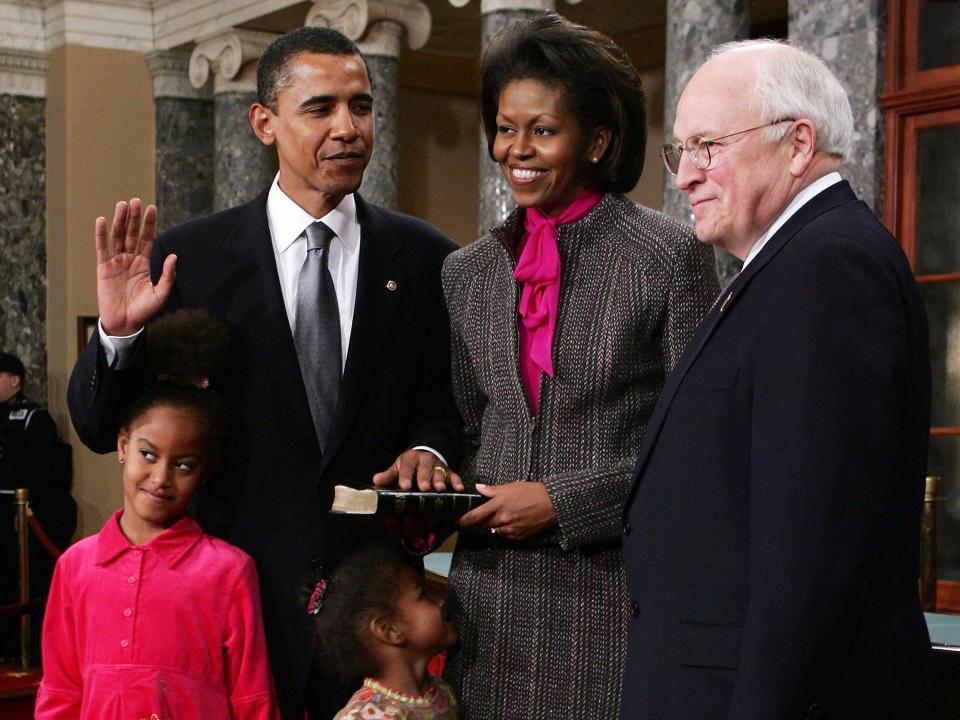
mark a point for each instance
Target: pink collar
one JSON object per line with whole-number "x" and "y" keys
{"x": 538, "y": 271}
{"x": 170, "y": 545}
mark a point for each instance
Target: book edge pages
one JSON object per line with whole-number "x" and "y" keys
{"x": 354, "y": 501}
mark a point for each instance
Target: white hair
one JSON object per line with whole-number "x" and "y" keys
{"x": 794, "y": 83}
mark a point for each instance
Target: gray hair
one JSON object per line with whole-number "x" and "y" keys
{"x": 794, "y": 83}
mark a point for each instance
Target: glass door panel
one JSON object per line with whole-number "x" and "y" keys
{"x": 942, "y": 301}
{"x": 939, "y": 42}
{"x": 937, "y": 206}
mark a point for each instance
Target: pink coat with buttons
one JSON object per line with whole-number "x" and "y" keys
{"x": 169, "y": 629}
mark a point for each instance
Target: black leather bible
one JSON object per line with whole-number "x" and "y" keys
{"x": 391, "y": 501}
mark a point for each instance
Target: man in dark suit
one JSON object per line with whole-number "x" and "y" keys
{"x": 772, "y": 527}
{"x": 373, "y": 307}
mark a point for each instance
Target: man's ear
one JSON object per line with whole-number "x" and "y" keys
{"x": 803, "y": 146}
{"x": 385, "y": 631}
{"x": 17, "y": 382}
{"x": 261, "y": 119}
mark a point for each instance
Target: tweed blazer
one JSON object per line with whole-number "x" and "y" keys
{"x": 543, "y": 622}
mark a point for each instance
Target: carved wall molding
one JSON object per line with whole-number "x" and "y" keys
{"x": 170, "y": 70}
{"x": 23, "y": 72}
{"x": 377, "y": 24}
{"x": 231, "y": 57}
{"x": 489, "y": 6}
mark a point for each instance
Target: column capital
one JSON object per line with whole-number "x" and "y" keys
{"x": 170, "y": 70}
{"x": 376, "y": 24}
{"x": 23, "y": 72}
{"x": 231, "y": 56}
{"x": 489, "y": 6}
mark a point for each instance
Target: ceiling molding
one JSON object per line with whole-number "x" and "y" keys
{"x": 178, "y": 22}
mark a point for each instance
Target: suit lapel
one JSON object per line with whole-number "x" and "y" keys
{"x": 833, "y": 196}
{"x": 381, "y": 283}
{"x": 504, "y": 343}
{"x": 250, "y": 285}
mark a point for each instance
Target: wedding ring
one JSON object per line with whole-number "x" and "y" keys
{"x": 441, "y": 468}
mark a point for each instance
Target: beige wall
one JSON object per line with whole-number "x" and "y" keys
{"x": 100, "y": 139}
{"x": 439, "y": 160}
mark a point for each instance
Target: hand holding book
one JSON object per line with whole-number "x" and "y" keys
{"x": 516, "y": 511}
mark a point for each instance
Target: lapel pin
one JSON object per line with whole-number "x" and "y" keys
{"x": 391, "y": 285}
{"x": 726, "y": 301}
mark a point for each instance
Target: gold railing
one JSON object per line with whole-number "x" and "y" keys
{"x": 928, "y": 544}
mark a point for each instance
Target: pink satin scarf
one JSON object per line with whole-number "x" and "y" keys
{"x": 538, "y": 272}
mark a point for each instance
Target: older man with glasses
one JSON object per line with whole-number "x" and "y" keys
{"x": 772, "y": 527}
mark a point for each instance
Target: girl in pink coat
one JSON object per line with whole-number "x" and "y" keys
{"x": 152, "y": 618}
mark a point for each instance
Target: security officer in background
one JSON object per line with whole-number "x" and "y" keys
{"x": 32, "y": 457}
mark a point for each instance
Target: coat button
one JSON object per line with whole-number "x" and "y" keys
{"x": 635, "y": 609}
{"x": 627, "y": 529}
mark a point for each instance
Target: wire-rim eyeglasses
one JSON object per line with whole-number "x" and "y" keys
{"x": 697, "y": 148}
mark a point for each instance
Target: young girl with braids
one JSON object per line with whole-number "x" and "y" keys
{"x": 151, "y": 618}
{"x": 376, "y": 623}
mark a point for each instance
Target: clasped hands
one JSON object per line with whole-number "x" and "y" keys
{"x": 516, "y": 511}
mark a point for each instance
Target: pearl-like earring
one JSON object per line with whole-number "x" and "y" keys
{"x": 594, "y": 160}
{"x": 122, "y": 458}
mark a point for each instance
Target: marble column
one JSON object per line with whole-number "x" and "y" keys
{"x": 185, "y": 139}
{"x": 694, "y": 28}
{"x": 23, "y": 254}
{"x": 378, "y": 26}
{"x": 243, "y": 166}
{"x": 850, "y": 37}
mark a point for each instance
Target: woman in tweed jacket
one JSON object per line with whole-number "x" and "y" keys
{"x": 537, "y": 583}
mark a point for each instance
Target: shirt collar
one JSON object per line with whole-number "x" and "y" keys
{"x": 170, "y": 545}
{"x": 288, "y": 220}
{"x": 799, "y": 200}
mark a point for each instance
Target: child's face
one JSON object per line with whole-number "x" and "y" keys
{"x": 420, "y": 619}
{"x": 165, "y": 458}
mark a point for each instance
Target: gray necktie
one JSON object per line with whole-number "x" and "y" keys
{"x": 317, "y": 333}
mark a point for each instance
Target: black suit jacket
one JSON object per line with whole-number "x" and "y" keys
{"x": 772, "y": 527}
{"x": 274, "y": 488}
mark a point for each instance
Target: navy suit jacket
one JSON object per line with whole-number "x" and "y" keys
{"x": 772, "y": 527}
{"x": 274, "y": 488}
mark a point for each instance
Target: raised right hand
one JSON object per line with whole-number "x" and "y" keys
{"x": 126, "y": 299}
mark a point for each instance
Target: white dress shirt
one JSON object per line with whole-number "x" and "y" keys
{"x": 801, "y": 199}
{"x": 287, "y": 222}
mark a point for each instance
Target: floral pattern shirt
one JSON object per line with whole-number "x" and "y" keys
{"x": 374, "y": 701}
